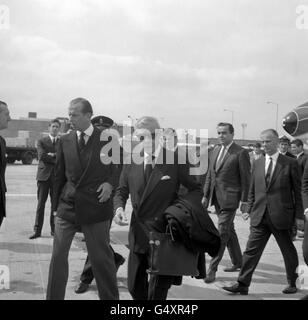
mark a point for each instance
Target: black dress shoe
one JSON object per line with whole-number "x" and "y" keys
{"x": 52, "y": 233}
{"x": 289, "y": 290}
{"x": 232, "y": 269}
{"x": 237, "y": 288}
{"x": 82, "y": 287}
{"x": 304, "y": 297}
{"x": 34, "y": 236}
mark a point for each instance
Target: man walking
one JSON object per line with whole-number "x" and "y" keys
{"x": 83, "y": 187}
{"x": 152, "y": 184}
{"x": 226, "y": 184}
{"x": 46, "y": 149}
{"x": 274, "y": 203}
{"x": 4, "y": 119}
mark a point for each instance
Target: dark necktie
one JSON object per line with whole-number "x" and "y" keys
{"x": 82, "y": 141}
{"x": 148, "y": 169}
{"x": 221, "y": 157}
{"x": 268, "y": 172}
{"x": 54, "y": 140}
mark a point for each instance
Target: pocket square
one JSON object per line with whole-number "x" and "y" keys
{"x": 165, "y": 178}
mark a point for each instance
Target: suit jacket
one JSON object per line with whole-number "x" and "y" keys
{"x": 77, "y": 178}
{"x": 301, "y": 160}
{"x": 46, "y": 163}
{"x": 282, "y": 198}
{"x": 2, "y": 177}
{"x": 305, "y": 186}
{"x": 230, "y": 182}
{"x": 150, "y": 201}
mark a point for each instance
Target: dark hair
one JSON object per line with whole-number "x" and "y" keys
{"x": 272, "y": 131}
{"x": 226, "y": 124}
{"x": 86, "y": 105}
{"x": 55, "y": 121}
{"x": 298, "y": 142}
{"x": 257, "y": 145}
{"x": 4, "y": 103}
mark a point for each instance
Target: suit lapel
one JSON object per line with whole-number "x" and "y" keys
{"x": 215, "y": 156}
{"x": 74, "y": 152}
{"x": 277, "y": 169}
{"x": 227, "y": 155}
{"x": 155, "y": 177}
{"x": 261, "y": 169}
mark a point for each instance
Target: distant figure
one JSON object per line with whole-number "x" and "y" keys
{"x": 4, "y": 119}
{"x": 83, "y": 189}
{"x": 284, "y": 146}
{"x": 102, "y": 123}
{"x": 226, "y": 185}
{"x": 274, "y": 203}
{"x": 256, "y": 154}
{"x": 297, "y": 149}
{"x": 46, "y": 149}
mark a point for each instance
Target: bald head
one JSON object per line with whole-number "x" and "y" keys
{"x": 270, "y": 141}
{"x": 4, "y": 115}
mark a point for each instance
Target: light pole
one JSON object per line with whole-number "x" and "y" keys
{"x": 232, "y": 111}
{"x": 244, "y": 126}
{"x": 271, "y": 102}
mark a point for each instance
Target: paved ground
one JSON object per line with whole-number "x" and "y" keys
{"x": 28, "y": 260}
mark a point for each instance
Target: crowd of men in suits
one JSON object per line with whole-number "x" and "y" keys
{"x": 88, "y": 192}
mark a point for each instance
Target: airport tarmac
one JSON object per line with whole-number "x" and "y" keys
{"x": 28, "y": 260}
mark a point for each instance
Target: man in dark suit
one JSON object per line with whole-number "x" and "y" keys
{"x": 226, "y": 184}
{"x": 274, "y": 203}
{"x": 46, "y": 150}
{"x": 152, "y": 181}
{"x": 83, "y": 186}
{"x": 4, "y": 119}
{"x": 305, "y": 204}
{"x": 103, "y": 123}
{"x": 284, "y": 146}
{"x": 297, "y": 149}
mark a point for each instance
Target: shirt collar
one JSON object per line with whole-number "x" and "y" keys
{"x": 52, "y": 137}
{"x": 274, "y": 157}
{"x": 228, "y": 146}
{"x": 88, "y": 132}
{"x": 155, "y": 155}
{"x": 298, "y": 155}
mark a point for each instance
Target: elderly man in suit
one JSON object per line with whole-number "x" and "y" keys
{"x": 226, "y": 184}
{"x": 46, "y": 150}
{"x": 4, "y": 119}
{"x": 83, "y": 186}
{"x": 274, "y": 204}
{"x": 152, "y": 182}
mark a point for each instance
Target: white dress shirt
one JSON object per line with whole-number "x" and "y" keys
{"x": 274, "y": 160}
{"x": 52, "y": 138}
{"x": 88, "y": 133}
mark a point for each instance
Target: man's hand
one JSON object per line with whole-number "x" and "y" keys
{"x": 205, "y": 202}
{"x": 306, "y": 214}
{"x": 245, "y": 215}
{"x": 105, "y": 190}
{"x": 120, "y": 217}
{"x": 51, "y": 154}
{"x": 244, "y": 207}
{"x": 300, "y": 223}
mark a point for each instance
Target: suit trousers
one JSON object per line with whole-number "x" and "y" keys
{"x": 43, "y": 189}
{"x": 257, "y": 241}
{"x": 97, "y": 241}
{"x": 142, "y": 286}
{"x": 228, "y": 239}
{"x": 305, "y": 242}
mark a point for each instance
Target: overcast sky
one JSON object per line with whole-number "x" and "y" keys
{"x": 181, "y": 61}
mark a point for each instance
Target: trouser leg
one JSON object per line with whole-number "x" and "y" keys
{"x": 58, "y": 269}
{"x": 102, "y": 260}
{"x": 42, "y": 195}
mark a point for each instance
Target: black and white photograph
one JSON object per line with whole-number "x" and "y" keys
{"x": 153, "y": 150}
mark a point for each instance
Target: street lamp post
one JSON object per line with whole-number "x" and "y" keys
{"x": 232, "y": 111}
{"x": 275, "y": 103}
